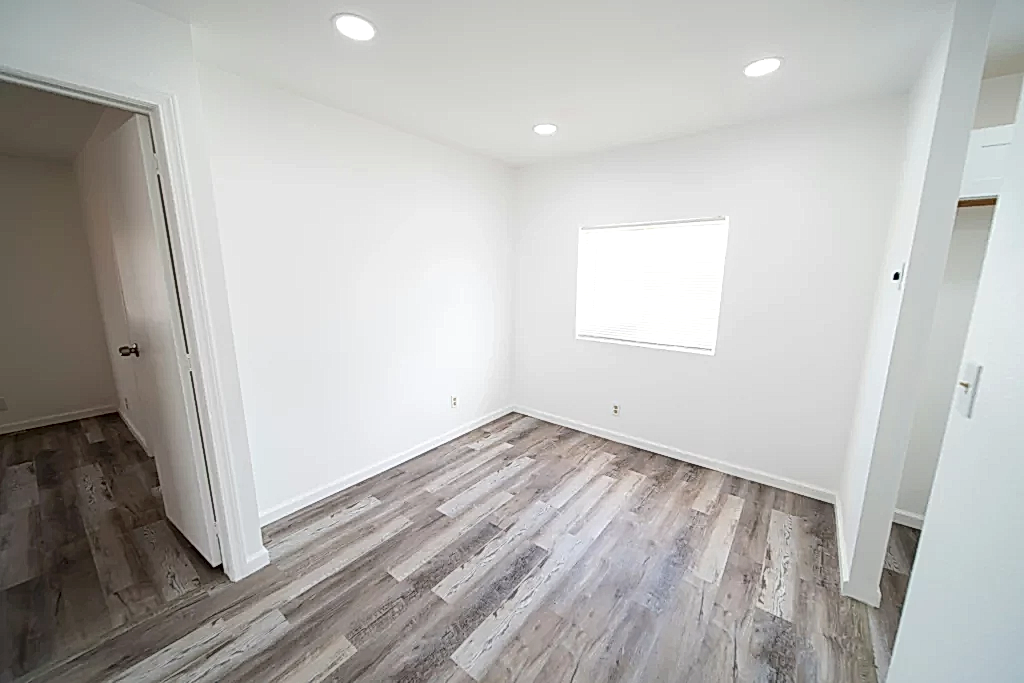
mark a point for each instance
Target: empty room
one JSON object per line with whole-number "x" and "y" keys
{"x": 511, "y": 341}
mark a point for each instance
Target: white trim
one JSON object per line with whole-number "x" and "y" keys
{"x": 645, "y": 345}
{"x": 844, "y": 564}
{"x": 760, "y": 477}
{"x": 135, "y": 432}
{"x": 256, "y": 561}
{"x": 911, "y": 519}
{"x": 869, "y": 595}
{"x": 56, "y": 419}
{"x": 203, "y": 298}
{"x": 298, "y": 502}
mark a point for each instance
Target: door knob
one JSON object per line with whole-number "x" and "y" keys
{"x": 132, "y": 350}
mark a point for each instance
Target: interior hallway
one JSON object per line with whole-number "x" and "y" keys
{"x": 85, "y": 548}
{"x": 522, "y": 551}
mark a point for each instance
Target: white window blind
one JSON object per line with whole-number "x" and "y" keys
{"x": 656, "y": 284}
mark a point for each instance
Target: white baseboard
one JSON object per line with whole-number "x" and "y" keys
{"x": 911, "y": 519}
{"x": 253, "y": 563}
{"x": 135, "y": 432}
{"x": 48, "y": 420}
{"x": 298, "y": 502}
{"x": 844, "y": 564}
{"x": 758, "y": 476}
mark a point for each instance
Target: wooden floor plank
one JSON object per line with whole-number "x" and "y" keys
{"x": 455, "y": 506}
{"x": 461, "y": 525}
{"x": 460, "y": 581}
{"x": 18, "y": 487}
{"x": 779, "y": 576}
{"x": 716, "y": 552}
{"x": 169, "y": 567}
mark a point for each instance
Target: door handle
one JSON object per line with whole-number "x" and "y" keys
{"x": 126, "y": 351}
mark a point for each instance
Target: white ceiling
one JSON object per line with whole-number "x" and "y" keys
{"x": 479, "y": 74}
{"x": 34, "y": 123}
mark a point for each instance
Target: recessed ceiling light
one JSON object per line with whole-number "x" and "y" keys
{"x": 356, "y": 28}
{"x": 762, "y": 67}
{"x": 545, "y": 129}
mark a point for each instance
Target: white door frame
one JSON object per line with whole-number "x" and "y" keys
{"x": 229, "y": 462}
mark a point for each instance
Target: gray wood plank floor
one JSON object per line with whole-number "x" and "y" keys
{"x": 522, "y": 551}
{"x": 85, "y": 549}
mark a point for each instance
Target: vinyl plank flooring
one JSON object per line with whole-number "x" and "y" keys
{"x": 779, "y": 576}
{"x": 711, "y": 488}
{"x": 21, "y": 558}
{"x": 18, "y": 487}
{"x": 455, "y": 506}
{"x": 305, "y": 535}
{"x": 521, "y": 551}
{"x": 431, "y": 547}
{"x": 76, "y": 575}
{"x": 465, "y": 465}
{"x": 460, "y": 581}
{"x": 169, "y": 568}
{"x": 719, "y": 545}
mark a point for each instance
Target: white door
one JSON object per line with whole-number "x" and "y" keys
{"x": 166, "y": 409}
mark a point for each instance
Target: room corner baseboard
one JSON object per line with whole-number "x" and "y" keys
{"x": 48, "y": 420}
{"x": 297, "y": 503}
{"x": 758, "y": 476}
{"x": 911, "y": 519}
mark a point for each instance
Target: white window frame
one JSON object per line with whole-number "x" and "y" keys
{"x": 650, "y": 345}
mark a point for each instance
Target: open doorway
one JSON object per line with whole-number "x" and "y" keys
{"x": 107, "y": 514}
{"x": 946, "y": 380}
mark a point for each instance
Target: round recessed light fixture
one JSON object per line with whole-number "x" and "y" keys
{"x": 762, "y": 67}
{"x": 354, "y": 27}
{"x": 545, "y": 129}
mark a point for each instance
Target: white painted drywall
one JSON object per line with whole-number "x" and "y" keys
{"x": 942, "y": 111}
{"x": 122, "y": 47}
{"x": 808, "y": 200}
{"x": 53, "y": 361}
{"x": 942, "y": 355}
{"x": 368, "y": 273}
{"x": 997, "y": 102}
{"x": 961, "y": 620}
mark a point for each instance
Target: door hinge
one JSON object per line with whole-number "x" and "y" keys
{"x": 188, "y": 360}
{"x": 156, "y": 164}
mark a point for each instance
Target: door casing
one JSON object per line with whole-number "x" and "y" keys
{"x": 213, "y": 363}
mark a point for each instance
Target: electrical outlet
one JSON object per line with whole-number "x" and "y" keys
{"x": 615, "y": 409}
{"x": 3, "y": 404}
{"x": 455, "y": 401}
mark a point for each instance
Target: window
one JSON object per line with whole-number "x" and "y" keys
{"x": 652, "y": 284}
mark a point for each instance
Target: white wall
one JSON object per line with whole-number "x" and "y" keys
{"x": 120, "y": 47}
{"x": 961, "y": 620}
{"x": 53, "y": 360}
{"x": 942, "y": 355}
{"x": 368, "y": 274}
{"x": 808, "y": 200}
{"x": 942, "y": 111}
{"x": 997, "y": 102}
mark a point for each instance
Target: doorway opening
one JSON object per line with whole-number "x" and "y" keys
{"x": 948, "y": 379}
{"x": 107, "y": 512}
